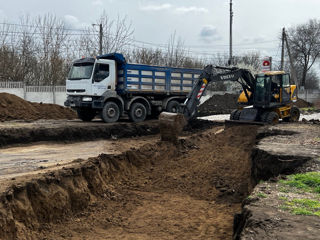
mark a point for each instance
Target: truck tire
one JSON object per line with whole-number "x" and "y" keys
{"x": 137, "y": 112}
{"x": 272, "y": 118}
{"x": 86, "y": 115}
{"x": 294, "y": 114}
{"x": 110, "y": 112}
{"x": 235, "y": 114}
{"x": 173, "y": 106}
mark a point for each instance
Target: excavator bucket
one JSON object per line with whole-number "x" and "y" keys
{"x": 171, "y": 126}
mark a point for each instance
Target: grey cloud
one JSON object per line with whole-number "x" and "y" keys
{"x": 191, "y": 9}
{"x": 160, "y": 7}
{"x": 209, "y": 34}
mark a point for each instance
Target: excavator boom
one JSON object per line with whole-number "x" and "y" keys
{"x": 171, "y": 124}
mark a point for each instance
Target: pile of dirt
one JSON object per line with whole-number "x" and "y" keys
{"x": 13, "y": 107}
{"x": 218, "y": 104}
{"x": 160, "y": 191}
{"x": 302, "y": 103}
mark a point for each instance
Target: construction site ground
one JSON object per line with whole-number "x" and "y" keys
{"x": 126, "y": 184}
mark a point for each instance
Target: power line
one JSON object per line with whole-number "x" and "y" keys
{"x": 84, "y": 32}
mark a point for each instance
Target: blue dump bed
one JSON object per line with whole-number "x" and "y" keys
{"x": 137, "y": 78}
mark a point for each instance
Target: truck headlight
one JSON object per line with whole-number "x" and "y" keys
{"x": 87, "y": 99}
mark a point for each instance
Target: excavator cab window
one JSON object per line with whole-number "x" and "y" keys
{"x": 275, "y": 88}
{"x": 285, "y": 89}
{"x": 261, "y": 93}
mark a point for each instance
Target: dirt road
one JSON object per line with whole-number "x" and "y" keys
{"x": 41, "y": 157}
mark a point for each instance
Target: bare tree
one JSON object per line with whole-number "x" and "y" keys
{"x": 52, "y": 39}
{"x": 304, "y": 41}
{"x": 116, "y": 36}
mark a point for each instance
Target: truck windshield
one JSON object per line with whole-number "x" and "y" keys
{"x": 81, "y": 71}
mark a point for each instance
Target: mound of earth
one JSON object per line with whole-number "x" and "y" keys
{"x": 218, "y": 104}
{"x": 13, "y": 107}
{"x": 302, "y": 103}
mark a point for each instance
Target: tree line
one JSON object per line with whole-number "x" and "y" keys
{"x": 39, "y": 51}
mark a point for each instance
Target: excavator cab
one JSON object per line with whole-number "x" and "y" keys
{"x": 272, "y": 89}
{"x": 273, "y": 99}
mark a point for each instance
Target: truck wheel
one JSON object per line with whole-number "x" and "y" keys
{"x": 272, "y": 118}
{"x": 138, "y": 112}
{"x": 294, "y": 114}
{"x": 86, "y": 115}
{"x": 110, "y": 112}
{"x": 235, "y": 114}
{"x": 173, "y": 106}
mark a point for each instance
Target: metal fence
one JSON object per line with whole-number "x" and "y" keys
{"x": 31, "y": 88}
{"x": 45, "y": 94}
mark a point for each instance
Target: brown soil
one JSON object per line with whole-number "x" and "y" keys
{"x": 284, "y": 149}
{"x": 72, "y": 131}
{"x": 302, "y": 103}
{"x": 15, "y": 108}
{"x": 267, "y": 220}
{"x": 218, "y": 104}
{"x": 189, "y": 190}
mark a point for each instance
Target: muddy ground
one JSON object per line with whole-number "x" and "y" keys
{"x": 142, "y": 188}
{"x": 190, "y": 190}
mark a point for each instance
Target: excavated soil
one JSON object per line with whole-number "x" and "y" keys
{"x": 218, "y": 104}
{"x": 188, "y": 190}
{"x": 302, "y": 103}
{"x": 15, "y": 108}
{"x": 74, "y": 131}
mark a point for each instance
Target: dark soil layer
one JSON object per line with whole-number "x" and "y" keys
{"x": 189, "y": 190}
{"x": 302, "y": 103}
{"x": 15, "y": 108}
{"x": 74, "y": 131}
{"x": 218, "y": 104}
{"x": 83, "y": 131}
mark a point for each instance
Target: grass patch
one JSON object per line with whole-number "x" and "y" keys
{"x": 308, "y": 182}
{"x": 261, "y": 195}
{"x": 302, "y": 206}
{"x": 302, "y": 183}
{"x": 308, "y": 109}
{"x": 284, "y": 198}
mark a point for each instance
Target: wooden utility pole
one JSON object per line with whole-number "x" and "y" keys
{"x": 282, "y": 49}
{"x": 100, "y": 38}
{"x": 230, "y": 43}
{"x": 293, "y": 71}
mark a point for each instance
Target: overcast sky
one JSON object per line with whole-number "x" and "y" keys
{"x": 203, "y": 25}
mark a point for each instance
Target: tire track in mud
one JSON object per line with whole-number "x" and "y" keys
{"x": 160, "y": 191}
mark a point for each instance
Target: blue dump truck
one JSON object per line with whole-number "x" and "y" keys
{"x": 110, "y": 87}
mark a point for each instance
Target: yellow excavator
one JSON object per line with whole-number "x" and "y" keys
{"x": 265, "y": 98}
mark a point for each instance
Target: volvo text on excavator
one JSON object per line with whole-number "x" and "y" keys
{"x": 265, "y": 98}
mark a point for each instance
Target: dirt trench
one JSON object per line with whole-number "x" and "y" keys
{"x": 190, "y": 190}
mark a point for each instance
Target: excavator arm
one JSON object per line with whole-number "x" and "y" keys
{"x": 171, "y": 124}
{"x": 211, "y": 74}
